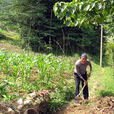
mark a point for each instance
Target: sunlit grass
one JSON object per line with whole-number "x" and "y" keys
{"x": 107, "y": 82}
{"x": 10, "y": 35}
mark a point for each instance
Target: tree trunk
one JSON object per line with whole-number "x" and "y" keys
{"x": 63, "y": 41}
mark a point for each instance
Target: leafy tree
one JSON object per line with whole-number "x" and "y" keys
{"x": 84, "y": 12}
{"x": 29, "y": 17}
{"x": 87, "y": 13}
{"x": 42, "y": 31}
{"x": 109, "y": 31}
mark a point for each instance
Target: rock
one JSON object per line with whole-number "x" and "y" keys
{"x": 1, "y": 113}
{"x": 31, "y": 111}
{"x": 27, "y": 101}
{"x": 20, "y": 101}
{"x": 19, "y": 107}
{"x": 32, "y": 94}
{"x": 3, "y": 107}
{"x": 10, "y": 111}
{"x": 33, "y": 103}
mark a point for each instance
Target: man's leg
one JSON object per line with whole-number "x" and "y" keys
{"x": 77, "y": 83}
{"x": 85, "y": 90}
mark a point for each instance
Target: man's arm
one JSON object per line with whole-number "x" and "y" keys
{"x": 76, "y": 69}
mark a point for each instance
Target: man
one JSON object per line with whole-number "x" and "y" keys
{"x": 81, "y": 75}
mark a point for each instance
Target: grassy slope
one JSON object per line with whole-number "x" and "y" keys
{"x": 10, "y": 37}
{"x": 24, "y": 73}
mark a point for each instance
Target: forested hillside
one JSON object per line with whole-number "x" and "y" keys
{"x": 42, "y": 31}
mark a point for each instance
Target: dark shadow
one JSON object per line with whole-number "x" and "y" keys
{"x": 3, "y": 37}
{"x": 31, "y": 111}
{"x": 57, "y": 106}
{"x": 94, "y": 58}
{"x": 69, "y": 95}
{"x": 104, "y": 93}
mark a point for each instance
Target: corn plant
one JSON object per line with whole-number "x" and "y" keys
{"x": 29, "y": 72}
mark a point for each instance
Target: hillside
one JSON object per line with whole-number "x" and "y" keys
{"x": 100, "y": 84}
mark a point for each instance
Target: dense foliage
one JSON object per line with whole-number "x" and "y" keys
{"x": 84, "y": 12}
{"x": 109, "y": 31}
{"x": 90, "y": 13}
{"x": 42, "y": 31}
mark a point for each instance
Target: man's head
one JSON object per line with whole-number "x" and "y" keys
{"x": 83, "y": 58}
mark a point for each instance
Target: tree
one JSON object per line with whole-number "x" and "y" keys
{"x": 41, "y": 30}
{"x": 30, "y": 18}
{"x": 84, "y": 12}
{"x": 109, "y": 31}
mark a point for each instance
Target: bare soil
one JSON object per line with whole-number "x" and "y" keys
{"x": 101, "y": 105}
{"x": 9, "y": 47}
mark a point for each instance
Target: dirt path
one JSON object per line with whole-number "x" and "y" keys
{"x": 93, "y": 106}
{"x": 9, "y": 47}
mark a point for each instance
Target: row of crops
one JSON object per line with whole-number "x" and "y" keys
{"x": 22, "y": 73}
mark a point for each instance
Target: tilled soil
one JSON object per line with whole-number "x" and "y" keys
{"x": 101, "y": 105}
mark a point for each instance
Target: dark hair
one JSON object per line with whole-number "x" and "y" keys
{"x": 84, "y": 55}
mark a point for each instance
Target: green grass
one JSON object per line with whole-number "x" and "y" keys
{"x": 101, "y": 81}
{"x": 10, "y": 37}
{"x": 22, "y": 73}
{"x": 10, "y": 34}
{"x": 107, "y": 82}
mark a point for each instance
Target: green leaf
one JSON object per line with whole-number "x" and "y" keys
{"x": 87, "y": 8}
{"x": 63, "y": 8}
{"x": 76, "y": 23}
{"x": 96, "y": 11}
{"x": 81, "y": 22}
{"x": 93, "y": 5}
{"x": 80, "y": 6}
{"x": 73, "y": 10}
{"x": 112, "y": 1}
{"x": 99, "y": 6}
{"x": 55, "y": 9}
